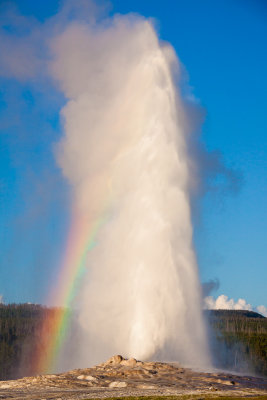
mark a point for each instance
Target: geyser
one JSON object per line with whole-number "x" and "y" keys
{"x": 124, "y": 152}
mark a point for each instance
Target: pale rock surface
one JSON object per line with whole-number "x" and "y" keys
{"x": 117, "y": 384}
{"x": 114, "y": 360}
{"x": 131, "y": 362}
{"x": 91, "y": 378}
{"x": 121, "y": 377}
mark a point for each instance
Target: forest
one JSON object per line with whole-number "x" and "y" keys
{"x": 21, "y": 337}
{"x": 238, "y": 339}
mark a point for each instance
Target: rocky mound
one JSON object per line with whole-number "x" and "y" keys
{"x": 129, "y": 377}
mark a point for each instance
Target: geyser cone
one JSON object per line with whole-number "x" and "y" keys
{"x": 125, "y": 154}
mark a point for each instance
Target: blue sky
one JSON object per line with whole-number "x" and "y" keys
{"x": 222, "y": 46}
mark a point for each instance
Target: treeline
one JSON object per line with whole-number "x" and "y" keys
{"x": 21, "y": 337}
{"x": 238, "y": 340}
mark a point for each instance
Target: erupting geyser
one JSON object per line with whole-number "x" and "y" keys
{"x": 125, "y": 154}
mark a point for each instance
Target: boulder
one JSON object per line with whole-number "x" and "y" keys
{"x": 91, "y": 378}
{"x": 131, "y": 362}
{"x": 117, "y": 384}
{"x": 115, "y": 360}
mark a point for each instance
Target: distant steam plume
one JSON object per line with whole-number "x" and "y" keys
{"x": 125, "y": 154}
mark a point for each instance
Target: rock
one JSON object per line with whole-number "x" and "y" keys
{"x": 225, "y": 382}
{"x": 114, "y": 360}
{"x": 91, "y": 378}
{"x": 144, "y": 386}
{"x": 131, "y": 362}
{"x": 213, "y": 388}
{"x": 150, "y": 371}
{"x": 5, "y": 386}
{"x": 119, "y": 376}
{"x": 117, "y": 384}
{"x": 228, "y": 383}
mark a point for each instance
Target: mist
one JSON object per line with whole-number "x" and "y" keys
{"x": 125, "y": 155}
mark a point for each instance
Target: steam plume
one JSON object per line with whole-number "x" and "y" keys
{"x": 125, "y": 154}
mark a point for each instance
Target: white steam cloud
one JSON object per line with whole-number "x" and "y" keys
{"x": 224, "y": 303}
{"x": 125, "y": 154}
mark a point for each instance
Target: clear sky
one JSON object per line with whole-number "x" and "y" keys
{"x": 222, "y": 45}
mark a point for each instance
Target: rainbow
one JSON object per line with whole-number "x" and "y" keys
{"x": 81, "y": 239}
